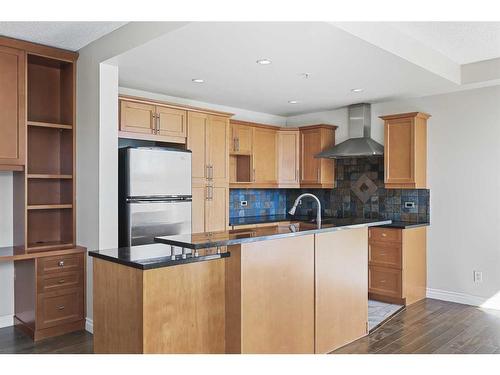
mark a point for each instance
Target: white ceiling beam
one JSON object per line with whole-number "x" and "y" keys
{"x": 392, "y": 40}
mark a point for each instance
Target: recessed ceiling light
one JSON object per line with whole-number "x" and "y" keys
{"x": 263, "y": 61}
{"x": 198, "y": 80}
{"x": 293, "y": 101}
{"x": 357, "y": 90}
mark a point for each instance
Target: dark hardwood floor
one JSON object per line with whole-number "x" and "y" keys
{"x": 429, "y": 326}
{"x": 432, "y": 326}
{"x": 13, "y": 341}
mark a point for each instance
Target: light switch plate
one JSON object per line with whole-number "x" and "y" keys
{"x": 409, "y": 204}
{"x": 243, "y": 203}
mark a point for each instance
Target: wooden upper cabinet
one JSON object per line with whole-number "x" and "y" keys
{"x": 241, "y": 138}
{"x": 137, "y": 117}
{"x": 265, "y": 147}
{"x": 196, "y": 142}
{"x": 12, "y": 108}
{"x": 171, "y": 122}
{"x": 218, "y": 149}
{"x": 405, "y": 154}
{"x": 288, "y": 158}
{"x": 316, "y": 173}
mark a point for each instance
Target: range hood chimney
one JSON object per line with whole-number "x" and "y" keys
{"x": 359, "y": 143}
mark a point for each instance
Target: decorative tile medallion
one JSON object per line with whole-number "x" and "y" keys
{"x": 364, "y": 188}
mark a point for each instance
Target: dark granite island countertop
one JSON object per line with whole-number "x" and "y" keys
{"x": 151, "y": 256}
{"x": 239, "y": 236}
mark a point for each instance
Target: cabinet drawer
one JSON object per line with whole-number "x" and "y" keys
{"x": 384, "y": 281}
{"x": 385, "y": 254}
{"x": 58, "y": 281}
{"x": 60, "y": 263}
{"x": 59, "y": 307}
{"x": 385, "y": 235}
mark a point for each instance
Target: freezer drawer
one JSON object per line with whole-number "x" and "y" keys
{"x": 151, "y": 219}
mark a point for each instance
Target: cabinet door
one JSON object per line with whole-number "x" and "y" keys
{"x": 137, "y": 117}
{"x": 288, "y": 158}
{"x": 12, "y": 99}
{"x": 216, "y": 208}
{"x": 399, "y": 151}
{"x": 218, "y": 149}
{"x": 198, "y": 209}
{"x": 171, "y": 122}
{"x": 310, "y": 146}
{"x": 242, "y": 138}
{"x": 264, "y": 156}
{"x": 196, "y": 142}
{"x": 341, "y": 288}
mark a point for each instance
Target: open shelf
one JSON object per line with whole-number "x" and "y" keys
{"x": 49, "y": 206}
{"x": 49, "y": 228}
{"x": 52, "y": 192}
{"x": 50, "y": 91}
{"x": 50, "y": 176}
{"x": 240, "y": 167}
{"x": 50, "y": 151}
{"x": 50, "y": 245}
{"x": 50, "y": 125}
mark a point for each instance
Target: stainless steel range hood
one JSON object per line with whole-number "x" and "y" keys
{"x": 359, "y": 143}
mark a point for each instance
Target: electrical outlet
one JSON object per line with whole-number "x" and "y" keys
{"x": 409, "y": 204}
{"x": 243, "y": 203}
{"x": 478, "y": 277}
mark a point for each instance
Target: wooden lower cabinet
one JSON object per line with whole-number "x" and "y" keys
{"x": 270, "y": 297}
{"x": 397, "y": 271}
{"x": 50, "y": 294}
{"x": 305, "y": 294}
{"x": 176, "y": 309}
{"x": 341, "y": 288}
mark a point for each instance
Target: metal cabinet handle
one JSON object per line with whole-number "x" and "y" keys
{"x": 317, "y": 175}
{"x": 237, "y": 144}
{"x": 60, "y": 307}
{"x": 234, "y": 145}
{"x": 211, "y": 172}
{"x": 210, "y": 193}
{"x": 157, "y": 124}
{"x": 384, "y": 234}
{"x": 207, "y": 171}
{"x": 253, "y": 179}
{"x": 61, "y": 281}
{"x": 61, "y": 263}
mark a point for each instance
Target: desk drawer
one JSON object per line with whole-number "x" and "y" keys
{"x": 59, "y": 307}
{"x": 385, "y": 254}
{"x": 385, "y": 235}
{"x": 59, "y": 264}
{"x": 58, "y": 281}
{"x": 385, "y": 281}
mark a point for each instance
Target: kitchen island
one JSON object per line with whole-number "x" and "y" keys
{"x": 295, "y": 288}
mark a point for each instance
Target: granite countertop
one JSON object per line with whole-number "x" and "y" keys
{"x": 151, "y": 256}
{"x": 239, "y": 236}
{"x": 250, "y": 220}
{"x": 405, "y": 225}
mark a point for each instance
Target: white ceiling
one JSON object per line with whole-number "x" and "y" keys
{"x": 67, "y": 35}
{"x": 462, "y": 42}
{"x": 224, "y": 55}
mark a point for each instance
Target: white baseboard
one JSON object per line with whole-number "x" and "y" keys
{"x": 463, "y": 298}
{"x": 89, "y": 325}
{"x": 6, "y": 321}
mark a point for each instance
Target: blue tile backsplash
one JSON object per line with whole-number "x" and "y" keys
{"x": 340, "y": 202}
{"x": 260, "y": 202}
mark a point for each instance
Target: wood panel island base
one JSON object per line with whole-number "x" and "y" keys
{"x": 290, "y": 288}
{"x": 177, "y": 309}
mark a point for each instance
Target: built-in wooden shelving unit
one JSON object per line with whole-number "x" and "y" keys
{"x": 49, "y": 199}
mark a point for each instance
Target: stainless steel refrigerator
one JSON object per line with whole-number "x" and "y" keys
{"x": 154, "y": 194}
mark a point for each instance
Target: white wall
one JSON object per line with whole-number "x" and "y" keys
{"x": 464, "y": 178}
{"x": 6, "y": 268}
{"x": 239, "y": 113}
